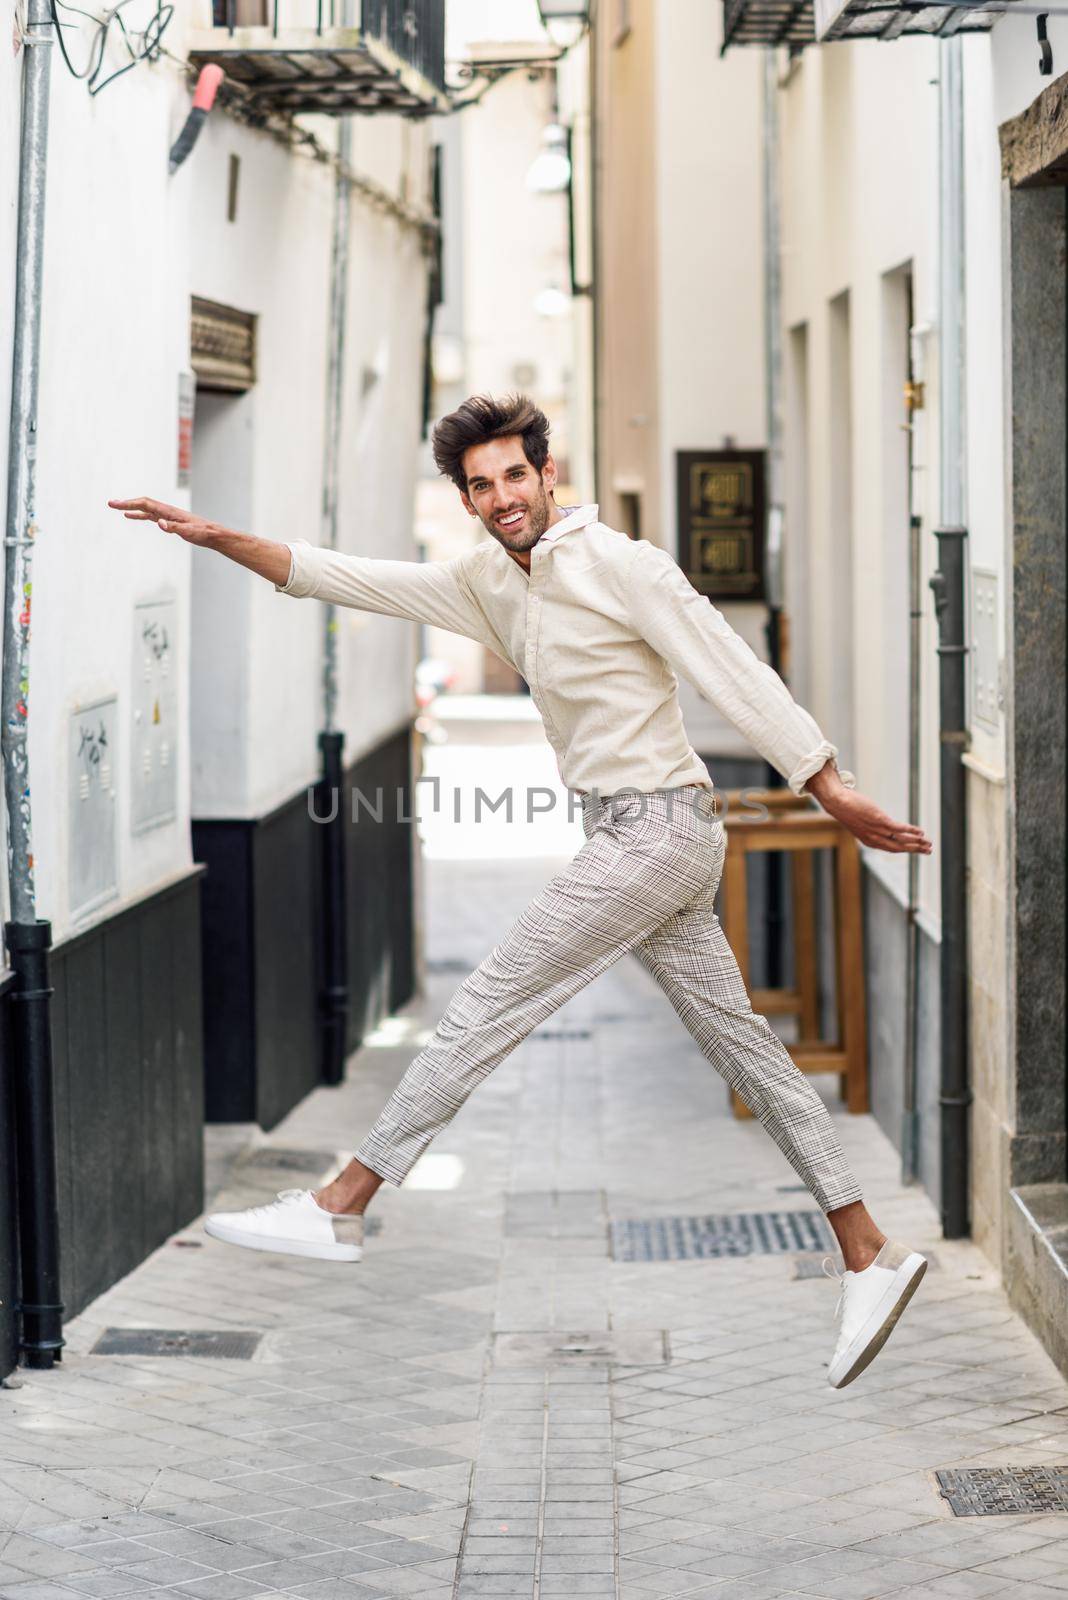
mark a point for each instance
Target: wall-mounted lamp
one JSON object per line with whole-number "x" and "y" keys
{"x": 550, "y": 171}
{"x": 552, "y": 302}
{"x": 564, "y": 21}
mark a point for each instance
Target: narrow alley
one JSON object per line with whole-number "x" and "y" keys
{"x": 518, "y": 1393}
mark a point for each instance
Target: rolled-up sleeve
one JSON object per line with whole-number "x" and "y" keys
{"x": 700, "y": 645}
{"x": 419, "y": 591}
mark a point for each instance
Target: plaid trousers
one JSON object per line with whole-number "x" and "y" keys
{"x": 644, "y": 881}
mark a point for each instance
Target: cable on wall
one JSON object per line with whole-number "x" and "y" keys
{"x": 144, "y": 44}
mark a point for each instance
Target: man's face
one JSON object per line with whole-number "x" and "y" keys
{"x": 509, "y": 497}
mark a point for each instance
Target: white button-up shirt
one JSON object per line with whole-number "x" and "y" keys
{"x": 599, "y": 629}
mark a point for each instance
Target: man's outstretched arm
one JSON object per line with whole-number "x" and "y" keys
{"x": 268, "y": 557}
{"x": 431, "y": 591}
{"x": 697, "y": 641}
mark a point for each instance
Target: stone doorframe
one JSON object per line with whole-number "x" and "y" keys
{"x": 1034, "y": 150}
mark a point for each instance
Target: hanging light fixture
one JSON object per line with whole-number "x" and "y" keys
{"x": 564, "y": 21}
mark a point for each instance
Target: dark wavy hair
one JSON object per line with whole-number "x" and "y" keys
{"x": 482, "y": 418}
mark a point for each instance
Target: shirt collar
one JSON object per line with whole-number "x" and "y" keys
{"x": 578, "y": 517}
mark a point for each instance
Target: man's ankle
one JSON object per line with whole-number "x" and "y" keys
{"x": 862, "y": 1255}
{"x": 338, "y": 1205}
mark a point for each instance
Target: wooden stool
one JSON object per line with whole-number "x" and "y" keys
{"x": 798, "y": 827}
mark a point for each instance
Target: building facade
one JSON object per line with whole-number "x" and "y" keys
{"x": 190, "y": 321}
{"x": 516, "y": 304}
{"x": 884, "y": 439}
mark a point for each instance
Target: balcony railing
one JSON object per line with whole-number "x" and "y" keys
{"x": 330, "y": 55}
{"x": 801, "y": 22}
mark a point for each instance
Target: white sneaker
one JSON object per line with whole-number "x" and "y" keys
{"x": 869, "y": 1305}
{"x": 295, "y": 1225}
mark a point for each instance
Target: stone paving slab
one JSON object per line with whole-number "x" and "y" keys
{"x": 491, "y": 1406}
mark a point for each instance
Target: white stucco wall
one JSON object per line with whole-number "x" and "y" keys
{"x": 710, "y": 300}
{"x": 114, "y": 339}
{"x": 126, "y": 247}
{"x": 859, "y": 142}
{"x": 988, "y": 414}
{"x": 275, "y": 261}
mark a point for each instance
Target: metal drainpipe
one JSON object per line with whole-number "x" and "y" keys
{"x": 596, "y": 201}
{"x": 28, "y": 938}
{"x": 334, "y": 990}
{"x": 918, "y": 439}
{"x": 948, "y": 585}
{"x": 773, "y": 402}
{"x": 910, "y": 1121}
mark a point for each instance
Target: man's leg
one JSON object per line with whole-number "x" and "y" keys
{"x": 643, "y": 858}
{"x": 690, "y": 959}
{"x": 634, "y": 871}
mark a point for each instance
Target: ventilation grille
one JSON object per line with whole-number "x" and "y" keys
{"x": 221, "y": 1344}
{"x": 708, "y": 1238}
{"x": 1002, "y": 1491}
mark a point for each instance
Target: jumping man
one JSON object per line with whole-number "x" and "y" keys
{"x": 598, "y": 625}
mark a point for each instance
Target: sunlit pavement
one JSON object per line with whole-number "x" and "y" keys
{"x": 490, "y": 788}
{"x": 492, "y": 1404}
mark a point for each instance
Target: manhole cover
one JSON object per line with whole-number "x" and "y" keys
{"x": 999, "y": 1491}
{"x": 275, "y": 1157}
{"x": 223, "y": 1344}
{"x": 628, "y": 1347}
{"x": 706, "y": 1238}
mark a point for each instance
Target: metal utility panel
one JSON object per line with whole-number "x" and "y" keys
{"x": 985, "y": 676}
{"x": 92, "y": 746}
{"x": 154, "y": 741}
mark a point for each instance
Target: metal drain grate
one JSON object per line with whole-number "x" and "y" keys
{"x": 1000, "y": 1491}
{"x": 275, "y": 1157}
{"x": 706, "y": 1238}
{"x": 223, "y": 1344}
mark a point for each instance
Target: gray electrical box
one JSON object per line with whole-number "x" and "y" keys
{"x": 984, "y": 652}
{"x": 154, "y": 738}
{"x": 92, "y": 769}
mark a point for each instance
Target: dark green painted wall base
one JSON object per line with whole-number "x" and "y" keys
{"x": 207, "y": 989}
{"x": 129, "y": 1075}
{"x": 261, "y": 954}
{"x": 8, "y": 1200}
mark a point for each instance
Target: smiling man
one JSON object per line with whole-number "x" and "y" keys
{"x": 600, "y": 626}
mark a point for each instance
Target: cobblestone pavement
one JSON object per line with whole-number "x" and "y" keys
{"x": 491, "y": 1405}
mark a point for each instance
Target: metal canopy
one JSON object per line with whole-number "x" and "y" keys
{"x": 332, "y": 70}
{"x": 795, "y": 22}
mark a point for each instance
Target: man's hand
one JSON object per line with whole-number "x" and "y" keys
{"x": 268, "y": 557}
{"x": 172, "y": 519}
{"x": 864, "y": 819}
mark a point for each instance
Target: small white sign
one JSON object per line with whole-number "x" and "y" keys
{"x": 154, "y": 778}
{"x": 92, "y": 877}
